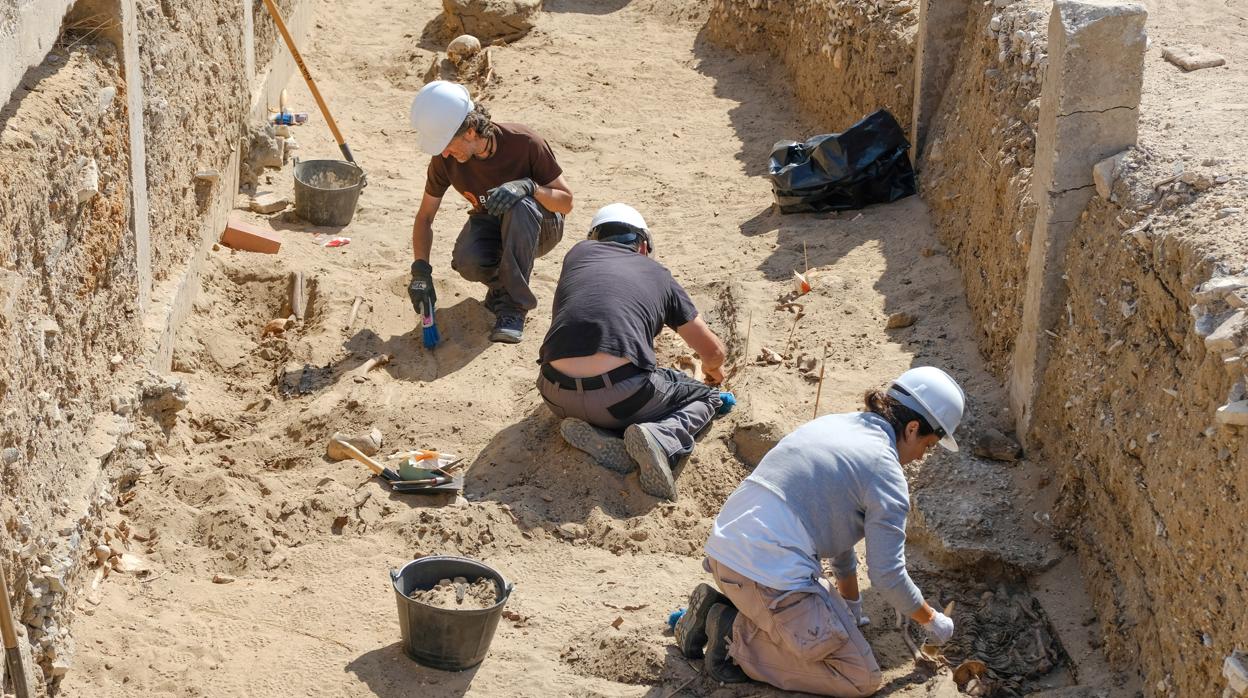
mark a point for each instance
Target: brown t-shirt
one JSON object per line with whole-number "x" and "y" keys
{"x": 521, "y": 153}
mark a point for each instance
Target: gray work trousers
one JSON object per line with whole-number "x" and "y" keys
{"x": 671, "y": 419}
{"x": 500, "y": 252}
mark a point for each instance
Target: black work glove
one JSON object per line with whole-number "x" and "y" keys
{"x": 421, "y": 289}
{"x": 500, "y": 199}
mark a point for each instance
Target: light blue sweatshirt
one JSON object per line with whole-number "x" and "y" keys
{"x": 841, "y": 476}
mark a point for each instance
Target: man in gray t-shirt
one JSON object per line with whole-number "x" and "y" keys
{"x": 598, "y": 366}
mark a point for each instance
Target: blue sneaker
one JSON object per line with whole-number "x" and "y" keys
{"x": 508, "y": 327}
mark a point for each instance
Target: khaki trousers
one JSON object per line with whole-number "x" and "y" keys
{"x": 799, "y": 640}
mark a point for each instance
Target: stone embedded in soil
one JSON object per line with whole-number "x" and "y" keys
{"x": 994, "y": 445}
{"x": 490, "y": 19}
{"x": 222, "y": 579}
{"x": 900, "y": 320}
{"x": 459, "y": 595}
{"x": 1105, "y": 173}
{"x": 369, "y": 444}
{"x": 1190, "y": 57}
{"x": 1228, "y": 334}
{"x": 753, "y": 441}
{"x": 1234, "y": 413}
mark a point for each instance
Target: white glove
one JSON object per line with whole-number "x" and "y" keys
{"x": 855, "y": 607}
{"x": 939, "y": 628}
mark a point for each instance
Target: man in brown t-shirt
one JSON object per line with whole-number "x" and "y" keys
{"x": 518, "y": 195}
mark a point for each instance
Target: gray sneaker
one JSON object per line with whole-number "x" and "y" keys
{"x": 656, "y": 474}
{"x": 603, "y": 446}
{"x": 508, "y": 328}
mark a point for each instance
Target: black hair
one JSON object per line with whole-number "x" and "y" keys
{"x": 479, "y": 120}
{"x": 895, "y": 413}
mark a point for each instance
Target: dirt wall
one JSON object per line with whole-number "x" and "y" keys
{"x": 846, "y": 59}
{"x": 195, "y": 86}
{"x": 1152, "y": 484}
{"x": 1137, "y": 407}
{"x": 68, "y": 295}
{"x": 82, "y": 410}
{"x": 977, "y": 162}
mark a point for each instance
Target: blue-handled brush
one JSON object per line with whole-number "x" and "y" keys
{"x": 429, "y": 331}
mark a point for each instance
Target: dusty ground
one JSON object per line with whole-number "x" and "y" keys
{"x": 638, "y": 108}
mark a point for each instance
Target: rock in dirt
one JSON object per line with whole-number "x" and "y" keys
{"x": 1234, "y": 413}
{"x": 490, "y": 19}
{"x": 1105, "y": 173}
{"x": 129, "y": 563}
{"x": 10, "y": 455}
{"x": 222, "y": 579}
{"x": 754, "y": 440}
{"x": 1190, "y": 57}
{"x": 369, "y": 444}
{"x": 994, "y": 445}
{"x": 269, "y": 202}
{"x": 461, "y": 47}
{"x": 459, "y": 594}
{"x": 897, "y": 321}
{"x": 164, "y": 397}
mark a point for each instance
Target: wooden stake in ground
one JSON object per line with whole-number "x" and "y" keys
{"x": 805, "y": 260}
{"x": 749, "y": 327}
{"x": 819, "y": 391}
{"x": 12, "y": 653}
{"x": 788, "y": 345}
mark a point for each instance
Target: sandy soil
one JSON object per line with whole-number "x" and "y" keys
{"x": 639, "y": 108}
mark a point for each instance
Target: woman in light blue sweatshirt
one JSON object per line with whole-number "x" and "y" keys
{"x": 829, "y": 484}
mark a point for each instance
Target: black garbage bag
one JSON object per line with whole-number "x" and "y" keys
{"x": 867, "y": 164}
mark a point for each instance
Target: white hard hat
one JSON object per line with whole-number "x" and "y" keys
{"x": 618, "y": 213}
{"x": 934, "y": 394}
{"x": 625, "y": 215}
{"x": 437, "y": 113}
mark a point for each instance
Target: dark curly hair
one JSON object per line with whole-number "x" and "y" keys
{"x": 479, "y": 120}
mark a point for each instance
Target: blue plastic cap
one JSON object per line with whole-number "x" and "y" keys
{"x": 727, "y": 402}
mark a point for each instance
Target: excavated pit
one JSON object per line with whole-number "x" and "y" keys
{"x": 223, "y": 515}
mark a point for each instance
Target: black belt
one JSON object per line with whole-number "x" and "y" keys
{"x": 615, "y": 375}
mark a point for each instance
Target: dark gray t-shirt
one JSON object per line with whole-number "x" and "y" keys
{"x": 611, "y": 299}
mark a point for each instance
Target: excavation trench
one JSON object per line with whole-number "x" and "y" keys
{"x": 244, "y": 494}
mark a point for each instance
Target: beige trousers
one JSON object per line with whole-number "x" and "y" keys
{"x": 798, "y": 641}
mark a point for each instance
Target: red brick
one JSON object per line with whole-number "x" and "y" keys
{"x": 242, "y": 235}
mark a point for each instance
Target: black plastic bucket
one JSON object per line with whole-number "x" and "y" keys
{"x": 326, "y": 191}
{"x": 444, "y": 638}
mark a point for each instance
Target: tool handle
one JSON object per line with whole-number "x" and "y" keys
{"x": 355, "y": 453}
{"x": 307, "y": 76}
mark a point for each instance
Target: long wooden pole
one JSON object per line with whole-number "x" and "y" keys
{"x": 12, "y": 654}
{"x": 307, "y": 76}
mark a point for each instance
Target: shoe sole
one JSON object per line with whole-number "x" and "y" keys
{"x": 656, "y": 475}
{"x": 690, "y": 630}
{"x": 716, "y": 633}
{"x": 604, "y": 447}
{"x": 505, "y": 337}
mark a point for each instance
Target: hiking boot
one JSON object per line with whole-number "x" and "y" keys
{"x": 690, "y": 630}
{"x": 605, "y": 447}
{"x": 508, "y": 328}
{"x": 656, "y": 474}
{"x": 719, "y": 632}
